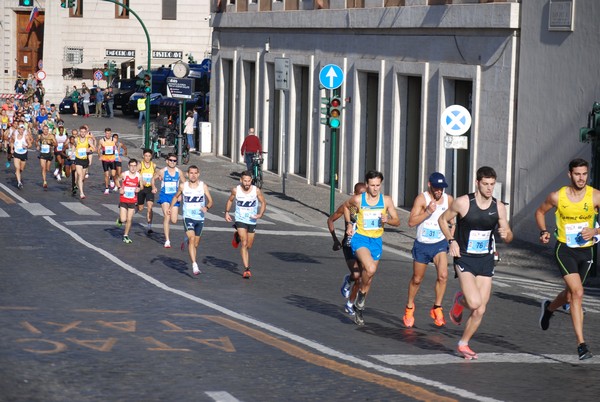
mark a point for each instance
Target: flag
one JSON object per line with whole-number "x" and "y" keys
{"x": 34, "y": 13}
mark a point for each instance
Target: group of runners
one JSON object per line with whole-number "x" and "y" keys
{"x": 464, "y": 228}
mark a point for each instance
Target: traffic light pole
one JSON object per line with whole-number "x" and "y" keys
{"x": 122, "y": 4}
{"x": 333, "y": 162}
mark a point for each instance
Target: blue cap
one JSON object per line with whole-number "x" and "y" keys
{"x": 437, "y": 180}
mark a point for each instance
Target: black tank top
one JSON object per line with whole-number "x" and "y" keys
{"x": 474, "y": 230}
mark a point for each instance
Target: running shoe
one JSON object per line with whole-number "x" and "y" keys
{"x": 20, "y": 186}
{"x": 235, "y": 242}
{"x": 457, "y": 309}
{"x": 87, "y": 175}
{"x": 466, "y": 352}
{"x": 167, "y": 244}
{"x": 112, "y": 184}
{"x": 150, "y": 231}
{"x": 106, "y": 191}
{"x": 409, "y": 319}
{"x": 583, "y": 352}
{"x": 56, "y": 172}
{"x": 127, "y": 240}
{"x": 349, "y": 307}
{"x": 196, "y": 269}
{"x": 58, "y": 178}
{"x": 567, "y": 308}
{"x": 45, "y": 185}
{"x": 359, "y": 303}
{"x": 7, "y": 165}
{"x": 346, "y": 285}
{"x": 358, "y": 317}
{"x": 438, "y": 316}
{"x": 115, "y": 189}
{"x": 119, "y": 223}
{"x": 545, "y": 315}
{"x": 247, "y": 274}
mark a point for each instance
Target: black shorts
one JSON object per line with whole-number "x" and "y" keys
{"x": 46, "y": 157}
{"x": 127, "y": 205}
{"x": 248, "y": 227}
{"x": 145, "y": 195}
{"x": 84, "y": 163}
{"x": 118, "y": 164}
{"x": 22, "y": 157}
{"x": 478, "y": 266}
{"x": 108, "y": 165}
{"x": 577, "y": 260}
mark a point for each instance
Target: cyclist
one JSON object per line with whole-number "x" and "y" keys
{"x": 250, "y": 147}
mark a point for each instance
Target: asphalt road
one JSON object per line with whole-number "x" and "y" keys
{"x": 85, "y": 317}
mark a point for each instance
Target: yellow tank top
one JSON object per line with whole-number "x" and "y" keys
{"x": 147, "y": 173}
{"x": 368, "y": 219}
{"x": 572, "y": 217}
{"x": 81, "y": 148}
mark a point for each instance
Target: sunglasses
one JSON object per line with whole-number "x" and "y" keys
{"x": 172, "y": 160}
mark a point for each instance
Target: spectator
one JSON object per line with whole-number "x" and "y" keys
{"x": 250, "y": 147}
{"x": 189, "y": 129}
{"x": 99, "y": 102}
{"x": 75, "y": 99}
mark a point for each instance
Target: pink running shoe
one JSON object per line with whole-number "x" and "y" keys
{"x": 466, "y": 352}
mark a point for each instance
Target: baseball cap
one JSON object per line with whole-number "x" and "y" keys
{"x": 437, "y": 180}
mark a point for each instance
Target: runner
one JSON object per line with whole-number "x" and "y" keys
{"x": 351, "y": 281}
{"x": 70, "y": 152}
{"x": 92, "y": 141}
{"x": 246, "y": 197}
{"x": 146, "y": 195}
{"x": 45, "y": 144}
{"x": 478, "y": 216}
{"x": 429, "y": 246}
{"x": 170, "y": 177}
{"x": 121, "y": 151}
{"x": 196, "y": 202}
{"x": 62, "y": 138}
{"x": 106, "y": 152}
{"x": 83, "y": 148}
{"x": 20, "y": 142}
{"x": 576, "y": 206}
{"x": 374, "y": 211}
{"x": 132, "y": 184}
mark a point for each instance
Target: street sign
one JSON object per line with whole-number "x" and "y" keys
{"x": 180, "y": 88}
{"x": 282, "y": 73}
{"x": 456, "y": 142}
{"x": 331, "y": 76}
{"x": 40, "y": 75}
{"x": 98, "y": 75}
{"x": 456, "y": 120}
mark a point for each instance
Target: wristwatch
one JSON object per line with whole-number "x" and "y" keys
{"x": 450, "y": 241}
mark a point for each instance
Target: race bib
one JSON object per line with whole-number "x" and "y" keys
{"x": 170, "y": 187}
{"x": 371, "y": 220}
{"x": 45, "y": 148}
{"x": 81, "y": 152}
{"x": 147, "y": 178}
{"x": 574, "y": 237}
{"x": 60, "y": 146}
{"x": 129, "y": 192}
{"x": 479, "y": 242}
{"x": 431, "y": 231}
{"x": 109, "y": 150}
{"x": 19, "y": 149}
{"x": 195, "y": 212}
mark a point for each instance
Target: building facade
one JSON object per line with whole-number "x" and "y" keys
{"x": 526, "y": 71}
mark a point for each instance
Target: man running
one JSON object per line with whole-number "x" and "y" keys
{"x": 247, "y": 197}
{"x": 120, "y": 152}
{"x": 576, "y": 207}
{"x": 62, "y": 137}
{"x": 132, "y": 183}
{"x": 374, "y": 211}
{"x": 45, "y": 144}
{"x": 429, "y": 246}
{"x": 170, "y": 177}
{"x": 83, "y": 146}
{"x": 479, "y": 214}
{"x": 351, "y": 281}
{"x": 20, "y": 142}
{"x": 146, "y": 195}
{"x": 196, "y": 202}
{"x": 106, "y": 151}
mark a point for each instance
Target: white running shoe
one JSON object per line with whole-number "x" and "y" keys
{"x": 106, "y": 191}
{"x": 56, "y": 172}
{"x": 195, "y": 268}
{"x": 167, "y": 244}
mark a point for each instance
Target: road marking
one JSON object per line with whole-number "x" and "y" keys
{"x": 6, "y": 198}
{"x": 36, "y": 209}
{"x": 15, "y": 195}
{"x": 17, "y": 308}
{"x": 446, "y": 358}
{"x": 3, "y": 213}
{"x": 221, "y": 396}
{"x": 80, "y": 209}
{"x": 325, "y": 350}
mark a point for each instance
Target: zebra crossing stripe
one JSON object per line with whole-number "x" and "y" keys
{"x": 3, "y": 213}
{"x": 80, "y": 209}
{"x": 36, "y": 209}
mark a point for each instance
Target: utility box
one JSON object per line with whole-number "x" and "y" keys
{"x": 205, "y": 137}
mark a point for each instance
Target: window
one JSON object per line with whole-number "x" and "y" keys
{"x": 74, "y": 55}
{"x": 120, "y": 11}
{"x": 76, "y": 11}
{"x": 169, "y": 9}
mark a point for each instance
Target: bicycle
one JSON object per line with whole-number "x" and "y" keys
{"x": 257, "y": 174}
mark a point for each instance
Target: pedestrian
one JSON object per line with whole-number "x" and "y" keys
{"x": 430, "y": 246}
{"x": 374, "y": 210}
{"x": 106, "y": 152}
{"x": 170, "y": 177}
{"x": 99, "y": 101}
{"x": 189, "y": 129}
{"x": 86, "y": 102}
{"x": 141, "y": 105}
{"x": 196, "y": 202}
{"x": 146, "y": 194}
{"x": 479, "y": 214}
{"x": 83, "y": 146}
{"x": 109, "y": 98}
{"x": 351, "y": 281}
{"x": 250, "y": 147}
{"x": 247, "y": 198}
{"x": 576, "y": 206}
{"x": 131, "y": 185}
{"x": 45, "y": 145}
{"x": 75, "y": 99}
{"x": 20, "y": 142}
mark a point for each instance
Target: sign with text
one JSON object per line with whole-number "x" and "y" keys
{"x": 167, "y": 54}
{"x": 120, "y": 53}
{"x": 180, "y": 88}
{"x": 282, "y": 73}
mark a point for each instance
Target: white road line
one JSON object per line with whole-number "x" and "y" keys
{"x": 445, "y": 358}
{"x": 36, "y": 209}
{"x": 221, "y": 396}
{"x": 15, "y": 195}
{"x": 80, "y": 209}
{"x": 462, "y": 393}
{"x": 3, "y": 213}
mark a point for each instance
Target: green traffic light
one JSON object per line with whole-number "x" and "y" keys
{"x": 26, "y": 3}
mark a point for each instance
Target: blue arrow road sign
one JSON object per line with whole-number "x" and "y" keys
{"x": 331, "y": 76}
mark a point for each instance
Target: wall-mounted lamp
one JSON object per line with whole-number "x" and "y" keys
{"x": 268, "y": 45}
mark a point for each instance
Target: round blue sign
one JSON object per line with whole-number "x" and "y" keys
{"x": 331, "y": 76}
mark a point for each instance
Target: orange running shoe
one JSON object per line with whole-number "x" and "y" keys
{"x": 466, "y": 352}
{"x": 438, "y": 316}
{"x": 247, "y": 274}
{"x": 409, "y": 319}
{"x": 457, "y": 309}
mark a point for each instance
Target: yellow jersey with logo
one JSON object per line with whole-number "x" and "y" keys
{"x": 81, "y": 148}
{"x": 147, "y": 173}
{"x": 368, "y": 219}
{"x": 572, "y": 217}
{"x": 108, "y": 148}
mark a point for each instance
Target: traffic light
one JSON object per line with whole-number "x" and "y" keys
{"x": 26, "y": 3}
{"x": 110, "y": 68}
{"x": 335, "y": 112}
{"x": 147, "y": 82}
{"x": 63, "y": 4}
{"x": 325, "y": 111}
{"x": 592, "y": 131}
{"x": 71, "y": 3}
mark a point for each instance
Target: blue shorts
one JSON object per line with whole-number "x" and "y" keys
{"x": 192, "y": 224}
{"x": 373, "y": 244}
{"x": 425, "y": 252}
{"x": 162, "y": 198}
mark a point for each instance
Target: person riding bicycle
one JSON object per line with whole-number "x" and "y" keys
{"x": 250, "y": 147}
